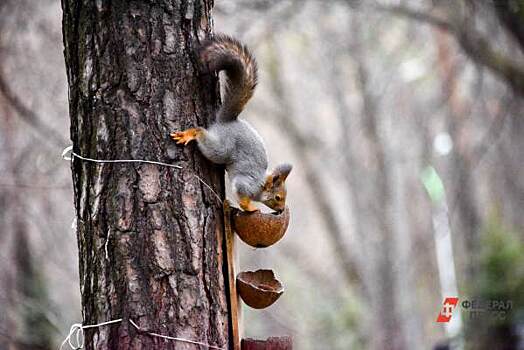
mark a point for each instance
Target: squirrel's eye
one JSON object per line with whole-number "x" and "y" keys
{"x": 278, "y": 197}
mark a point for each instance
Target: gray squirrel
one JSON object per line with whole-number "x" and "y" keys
{"x": 232, "y": 141}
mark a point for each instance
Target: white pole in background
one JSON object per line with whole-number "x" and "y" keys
{"x": 444, "y": 252}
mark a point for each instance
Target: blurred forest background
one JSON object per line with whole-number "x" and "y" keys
{"x": 404, "y": 120}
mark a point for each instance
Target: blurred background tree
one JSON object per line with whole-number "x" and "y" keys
{"x": 363, "y": 96}
{"x": 500, "y": 277}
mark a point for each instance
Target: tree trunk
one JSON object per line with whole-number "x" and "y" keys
{"x": 150, "y": 237}
{"x": 386, "y": 312}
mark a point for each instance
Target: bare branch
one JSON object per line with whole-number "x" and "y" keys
{"x": 471, "y": 41}
{"x": 417, "y": 15}
{"x": 480, "y": 51}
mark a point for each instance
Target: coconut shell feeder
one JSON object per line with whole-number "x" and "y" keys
{"x": 258, "y": 289}
{"x": 259, "y": 229}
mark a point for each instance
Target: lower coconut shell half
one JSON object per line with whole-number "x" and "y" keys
{"x": 259, "y": 289}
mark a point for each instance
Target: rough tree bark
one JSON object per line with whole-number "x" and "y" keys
{"x": 150, "y": 237}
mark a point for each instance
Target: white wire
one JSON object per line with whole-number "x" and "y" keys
{"x": 73, "y": 154}
{"x": 175, "y": 338}
{"x": 76, "y": 332}
{"x": 209, "y": 187}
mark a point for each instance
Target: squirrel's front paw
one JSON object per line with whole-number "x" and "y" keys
{"x": 186, "y": 136}
{"x": 251, "y": 209}
{"x": 178, "y": 136}
{"x": 246, "y": 205}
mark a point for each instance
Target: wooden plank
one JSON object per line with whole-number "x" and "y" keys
{"x": 273, "y": 343}
{"x": 231, "y": 262}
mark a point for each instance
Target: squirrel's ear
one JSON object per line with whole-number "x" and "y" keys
{"x": 281, "y": 172}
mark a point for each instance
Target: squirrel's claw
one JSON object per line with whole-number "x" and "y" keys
{"x": 184, "y": 137}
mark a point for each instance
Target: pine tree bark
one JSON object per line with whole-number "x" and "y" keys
{"x": 150, "y": 237}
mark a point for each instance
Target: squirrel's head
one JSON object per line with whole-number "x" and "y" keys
{"x": 274, "y": 192}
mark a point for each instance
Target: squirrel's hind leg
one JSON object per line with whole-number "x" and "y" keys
{"x": 186, "y": 136}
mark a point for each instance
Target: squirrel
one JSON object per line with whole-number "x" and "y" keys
{"x": 231, "y": 141}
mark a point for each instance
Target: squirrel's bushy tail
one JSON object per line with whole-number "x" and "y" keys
{"x": 225, "y": 53}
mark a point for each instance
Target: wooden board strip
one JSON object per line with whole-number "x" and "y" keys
{"x": 231, "y": 262}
